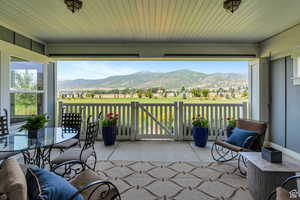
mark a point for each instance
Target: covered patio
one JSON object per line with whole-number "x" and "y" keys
{"x": 35, "y": 35}
{"x": 171, "y": 170}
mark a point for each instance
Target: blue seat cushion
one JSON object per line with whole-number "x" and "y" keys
{"x": 45, "y": 185}
{"x": 239, "y": 136}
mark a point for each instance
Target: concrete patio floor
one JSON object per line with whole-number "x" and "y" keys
{"x": 167, "y": 151}
{"x": 169, "y": 170}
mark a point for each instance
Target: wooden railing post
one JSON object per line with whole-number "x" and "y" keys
{"x": 176, "y": 131}
{"x": 133, "y": 121}
{"x": 244, "y": 110}
{"x": 84, "y": 121}
{"x": 60, "y": 111}
{"x": 180, "y": 120}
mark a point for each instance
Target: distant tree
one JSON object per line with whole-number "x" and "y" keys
{"x": 205, "y": 92}
{"x": 149, "y": 93}
{"x": 24, "y": 81}
{"x": 220, "y": 92}
{"x": 139, "y": 93}
{"x": 182, "y": 89}
{"x": 196, "y": 92}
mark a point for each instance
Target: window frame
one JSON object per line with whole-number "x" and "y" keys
{"x": 296, "y": 70}
{"x": 26, "y": 91}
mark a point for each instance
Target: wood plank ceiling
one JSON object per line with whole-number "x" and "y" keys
{"x": 150, "y": 20}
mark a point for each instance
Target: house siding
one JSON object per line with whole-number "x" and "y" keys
{"x": 285, "y": 105}
{"x": 278, "y": 101}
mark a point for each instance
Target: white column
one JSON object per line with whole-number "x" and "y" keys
{"x": 4, "y": 80}
{"x": 259, "y": 89}
{"x": 50, "y": 93}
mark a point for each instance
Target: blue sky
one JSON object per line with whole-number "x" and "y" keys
{"x": 69, "y": 70}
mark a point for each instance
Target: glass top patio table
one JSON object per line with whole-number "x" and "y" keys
{"x": 19, "y": 140}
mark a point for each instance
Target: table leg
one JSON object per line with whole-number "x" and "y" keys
{"x": 261, "y": 183}
{"x": 39, "y": 157}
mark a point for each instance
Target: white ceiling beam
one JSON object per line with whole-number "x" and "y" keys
{"x": 152, "y": 50}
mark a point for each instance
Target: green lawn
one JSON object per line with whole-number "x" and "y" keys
{"x": 154, "y": 100}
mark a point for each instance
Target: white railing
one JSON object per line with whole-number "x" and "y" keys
{"x": 173, "y": 120}
{"x": 124, "y": 124}
{"x": 216, "y": 114}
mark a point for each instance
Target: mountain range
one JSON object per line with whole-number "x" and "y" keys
{"x": 169, "y": 80}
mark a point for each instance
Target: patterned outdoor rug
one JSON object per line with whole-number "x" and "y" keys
{"x": 138, "y": 180}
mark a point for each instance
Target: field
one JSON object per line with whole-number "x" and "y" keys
{"x": 155, "y": 100}
{"x": 32, "y": 109}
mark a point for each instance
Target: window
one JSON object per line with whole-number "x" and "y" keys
{"x": 296, "y": 66}
{"x": 26, "y": 89}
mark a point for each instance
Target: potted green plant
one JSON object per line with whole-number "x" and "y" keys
{"x": 33, "y": 124}
{"x": 200, "y": 131}
{"x": 109, "y": 128}
{"x": 231, "y": 124}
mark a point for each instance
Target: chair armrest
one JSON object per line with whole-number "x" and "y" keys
{"x": 107, "y": 188}
{"x": 68, "y": 170}
{"x": 283, "y": 184}
{"x": 249, "y": 142}
{"x": 70, "y": 162}
{"x": 290, "y": 179}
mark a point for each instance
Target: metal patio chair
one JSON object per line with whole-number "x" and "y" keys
{"x": 286, "y": 190}
{"x": 80, "y": 155}
{"x": 3, "y": 132}
{"x": 222, "y": 151}
{"x": 72, "y": 121}
{"x": 89, "y": 184}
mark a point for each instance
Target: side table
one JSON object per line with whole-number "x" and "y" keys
{"x": 263, "y": 177}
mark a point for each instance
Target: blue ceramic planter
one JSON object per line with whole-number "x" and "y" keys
{"x": 109, "y": 134}
{"x": 200, "y": 136}
{"x": 33, "y": 133}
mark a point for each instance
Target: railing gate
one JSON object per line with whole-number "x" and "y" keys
{"x": 156, "y": 121}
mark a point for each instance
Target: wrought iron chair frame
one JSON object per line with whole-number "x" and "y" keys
{"x": 4, "y": 123}
{"x": 100, "y": 184}
{"x": 72, "y": 121}
{"x": 91, "y": 135}
{"x": 224, "y": 154}
{"x": 3, "y": 132}
{"x": 292, "y": 178}
{"x": 92, "y": 132}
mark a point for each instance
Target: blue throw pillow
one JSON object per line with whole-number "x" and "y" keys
{"x": 45, "y": 185}
{"x": 239, "y": 136}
